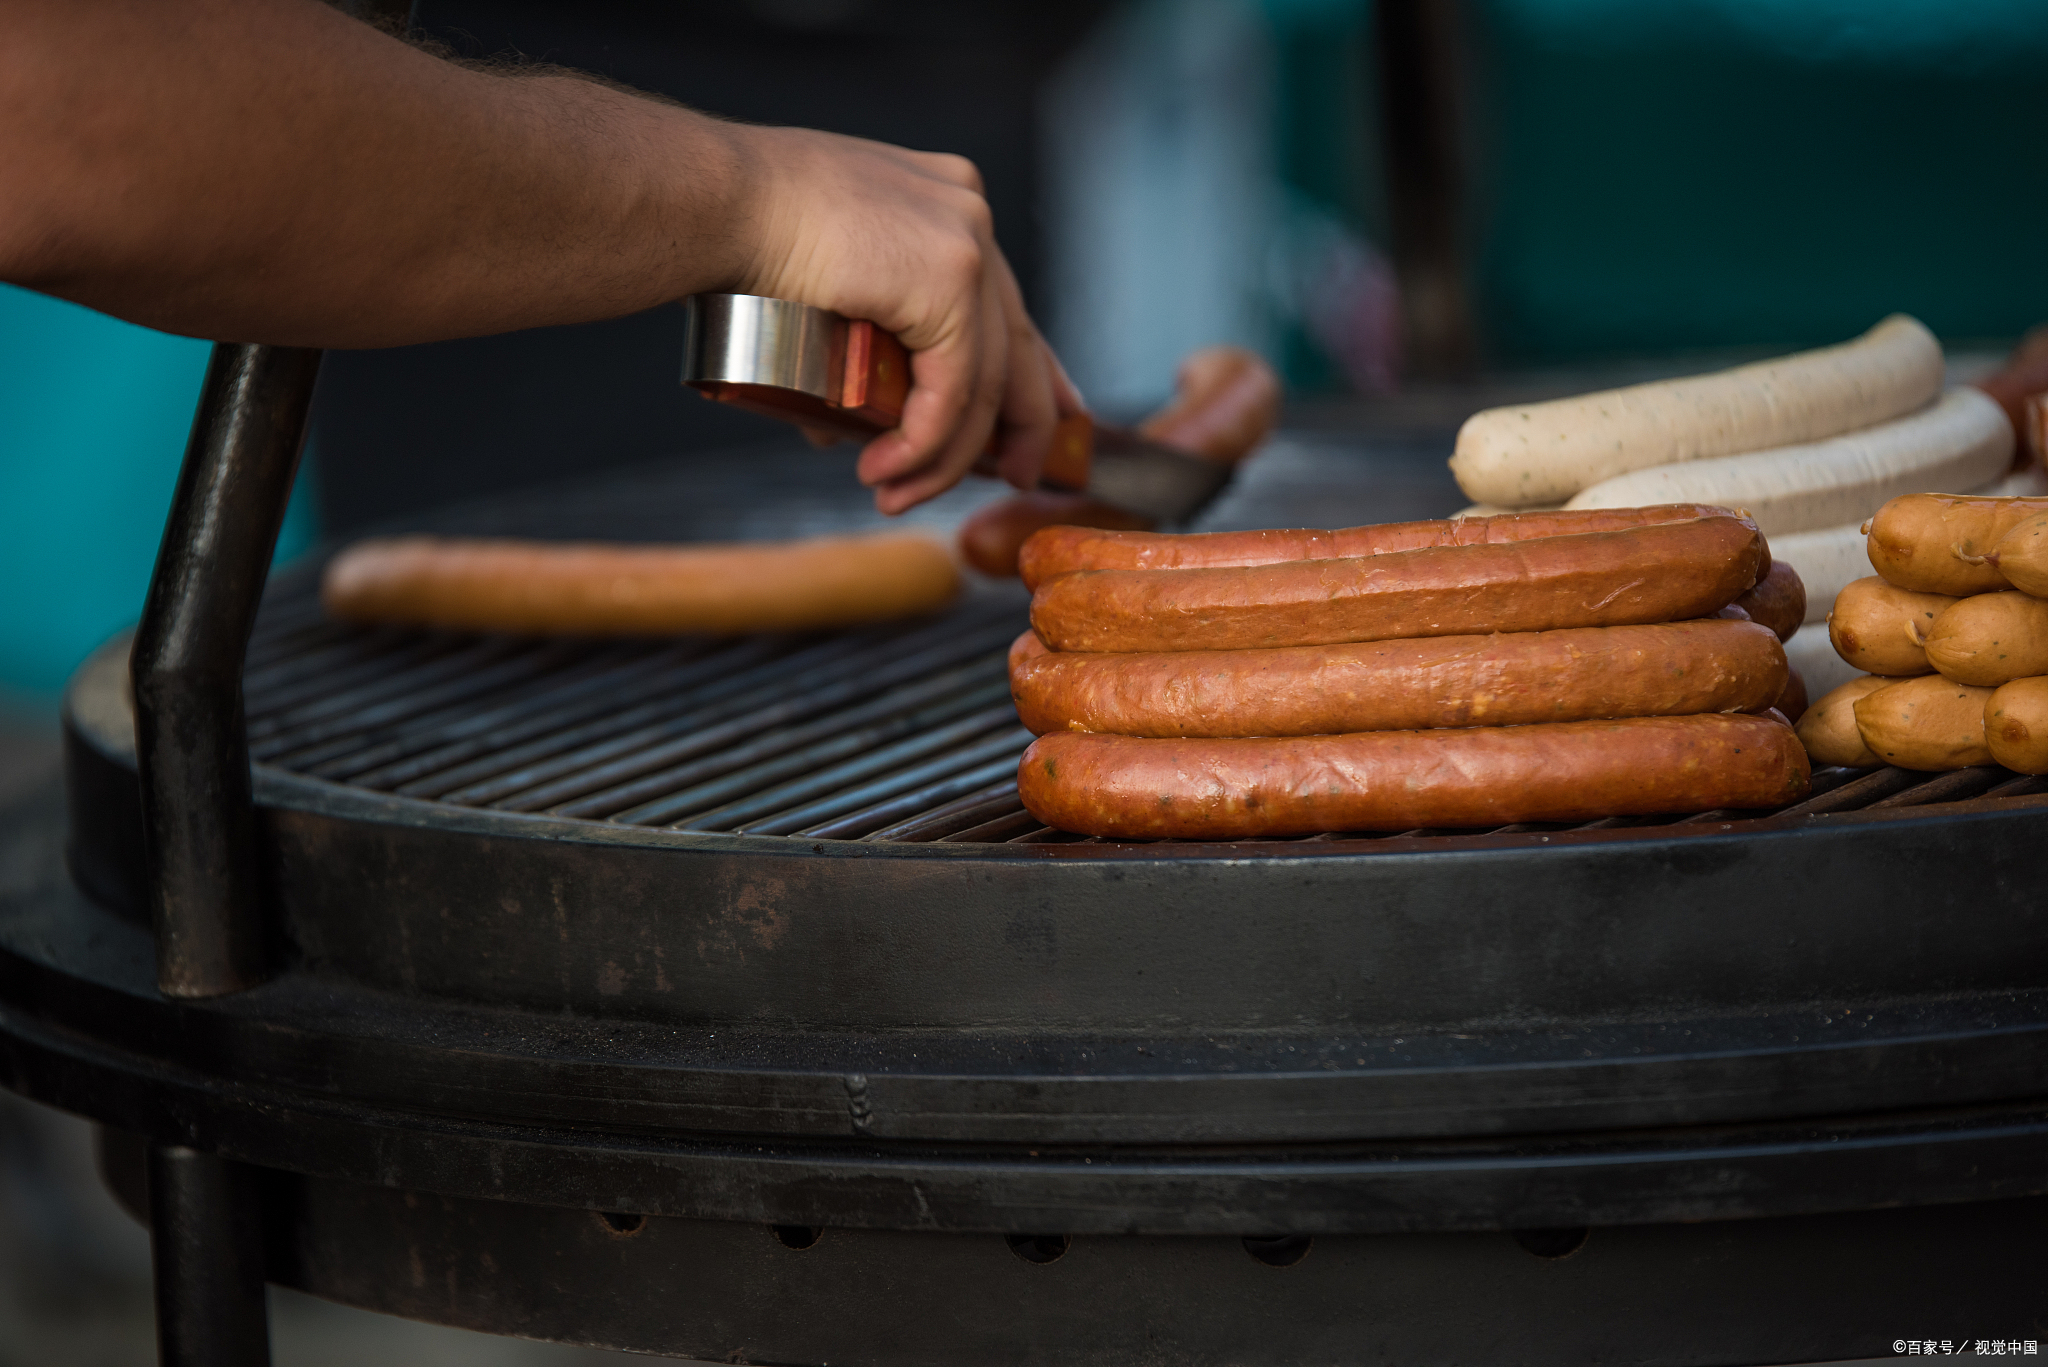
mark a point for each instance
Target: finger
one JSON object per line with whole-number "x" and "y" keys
{"x": 1066, "y": 394}
{"x": 1029, "y": 410}
{"x": 951, "y": 168}
{"x": 976, "y": 427}
{"x": 943, "y": 378}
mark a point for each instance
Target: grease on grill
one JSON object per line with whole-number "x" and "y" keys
{"x": 898, "y": 733}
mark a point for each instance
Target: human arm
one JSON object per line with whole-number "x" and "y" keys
{"x": 271, "y": 170}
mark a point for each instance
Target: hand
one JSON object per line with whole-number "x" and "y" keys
{"x": 905, "y": 240}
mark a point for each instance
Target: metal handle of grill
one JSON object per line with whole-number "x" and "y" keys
{"x": 199, "y": 817}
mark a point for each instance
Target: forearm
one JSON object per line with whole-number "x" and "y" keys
{"x": 351, "y": 191}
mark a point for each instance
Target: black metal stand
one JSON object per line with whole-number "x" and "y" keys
{"x": 206, "y": 1243}
{"x": 199, "y": 820}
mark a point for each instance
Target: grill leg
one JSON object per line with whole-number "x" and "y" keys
{"x": 206, "y": 1241}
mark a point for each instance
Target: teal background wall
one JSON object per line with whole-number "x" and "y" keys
{"x": 1653, "y": 175}
{"x": 94, "y": 414}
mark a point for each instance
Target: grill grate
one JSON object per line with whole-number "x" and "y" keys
{"x": 902, "y": 732}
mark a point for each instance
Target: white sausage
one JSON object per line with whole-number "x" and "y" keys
{"x": 1514, "y": 457}
{"x": 1961, "y": 440}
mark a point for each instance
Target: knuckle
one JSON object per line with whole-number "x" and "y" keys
{"x": 960, "y": 171}
{"x": 961, "y": 263}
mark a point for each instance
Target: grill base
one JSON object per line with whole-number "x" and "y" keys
{"x": 1807, "y": 1288}
{"x": 701, "y": 1100}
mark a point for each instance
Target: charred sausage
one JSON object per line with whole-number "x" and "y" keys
{"x": 1663, "y": 573}
{"x": 1674, "y": 669}
{"x": 1065, "y": 550}
{"x": 1778, "y": 600}
{"x": 1131, "y": 787}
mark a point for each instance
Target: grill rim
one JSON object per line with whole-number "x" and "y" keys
{"x": 285, "y": 791}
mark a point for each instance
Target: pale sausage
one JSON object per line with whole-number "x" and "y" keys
{"x": 1828, "y": 730}
{"x": 1928, "y": 723}
{"x": 604, "y": 589}
{"x": 1881, "y": 629}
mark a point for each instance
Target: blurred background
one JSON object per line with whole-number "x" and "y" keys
{"x": 1414, "y": 207}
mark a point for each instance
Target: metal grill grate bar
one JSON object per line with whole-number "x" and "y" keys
{"x": 688, "y": 788}
{"x": 523, "y": 768}
{"x": 471, "y": 759}
{"x": 899, "y": 733}
{"x": 782, "y": 693}
{"x": 841, "y": 787}
{"x": 342, "y": 728}
{"x": 981, "y": 778}
{"x": 387, "y": 760}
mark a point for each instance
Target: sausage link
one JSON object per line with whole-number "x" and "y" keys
{"x": 990, "y": 538}
{"x": 1828, "y": 730}
{"x": 602, "y": 589}
{"x": 1664, "y": 573}
{"x": 1225, "y": 402}
{"x": 1989, "y": 639}
{"x": 2021, "y": 555}
{"x": 1882, "y": 629}
{"x": 1066, "y": 550}
{"x": 1928, "y": 723}
{"x": 1942, "y": 543}
{"x": 1131, "y": 787}
{"x": 1778, "y": 600}
{"x": 2016, "y": 725}
{"x": 1673, "y": 669}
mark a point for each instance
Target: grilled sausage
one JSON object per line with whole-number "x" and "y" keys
{"x": 1142, "y": 788}
{"x": 1674, "y": 669}
{"x": 1778, "y": 600}
{"x": 1881, "y": 629}
{"x": 1828, "y": 730}
{"x": 600, "y": 589}
{"x": 1225, "y": 403}
{"x": 1990, "y": 639}
{"x": 991, "y": 539}
{"x": 1930, "y": 723}
{"x": 1066, "y": 550}
{"x": 1664, "y": 573}
{"x": 2021, "y": 555}
{"x": 2016, "y": 725}
{"x": 1940, "y": 543}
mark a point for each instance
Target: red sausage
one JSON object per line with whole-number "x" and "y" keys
{"x": 1778, "y": 600}
{"x": 1661, "y": 573}
{"x": 1129, "y": 787}
{"x": 1065, "y": 550}
{"x": 1671, "y": 669}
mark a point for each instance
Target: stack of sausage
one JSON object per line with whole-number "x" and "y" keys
{"x": 1557, "y": 666}
{"x": 1810, "y": 445}
{"x": 1952, "y": 636}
